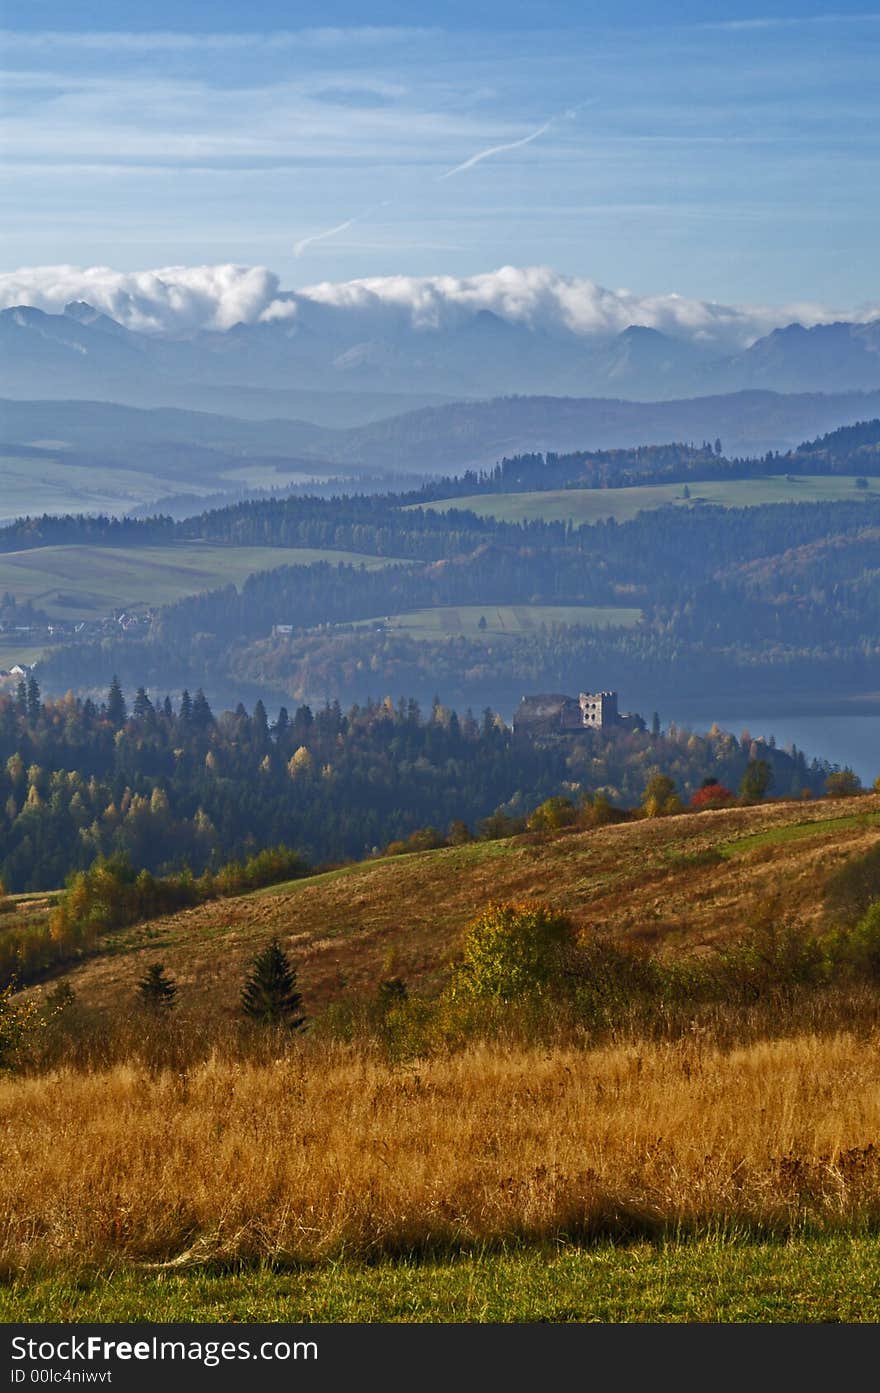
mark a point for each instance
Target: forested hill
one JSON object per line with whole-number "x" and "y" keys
{"x": 172, "y": 785}
{"x": 850, "y": 450}
{"x": 371, "y": 523}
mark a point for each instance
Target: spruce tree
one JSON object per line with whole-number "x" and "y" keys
{"x": 202, "y": 716}
{"x": 32, "y": 698}
{"x": 156, "y": 989}
{"x": 269, "y": 993}
{"x": 116, "y": 708}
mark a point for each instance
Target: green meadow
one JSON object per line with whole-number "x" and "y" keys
{"x": 81, "y": 582}
{"x": 58, "y": 485}
{"x": 727, "y": 1280}
{"x": 595, "y": 505}
{"x": 502, "y": 621}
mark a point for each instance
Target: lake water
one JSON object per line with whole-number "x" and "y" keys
{"x": 852, "y": 741}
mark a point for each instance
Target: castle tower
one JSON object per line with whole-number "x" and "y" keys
{"x": 598, "y": 709}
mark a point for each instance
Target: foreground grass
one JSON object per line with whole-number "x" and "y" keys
{"x": 804, "y": 1279}
{"x": 326, "y": 1152}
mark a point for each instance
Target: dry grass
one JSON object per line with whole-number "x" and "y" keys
{"x": 405, "y": 915}
{"x": 315, "y": 1155}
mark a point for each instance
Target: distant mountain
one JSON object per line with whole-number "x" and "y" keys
{"x": 826, "y": 358}
{"x": 441, "y": 440}
{"x": 83, "y": 354}
{"x": 296, "y": 366}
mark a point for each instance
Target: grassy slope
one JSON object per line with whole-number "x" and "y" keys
{"x": 93, "y": 581}
{"x": 351, "y": 927}
{"x": 635, "y": 879}
{"x": 502, "y": 621}
{"x": 591, "y": 505}
{"x": 53, "y": 486}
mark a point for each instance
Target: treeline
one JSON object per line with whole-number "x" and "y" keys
{"x": 112, "y": 894}
{"x": 850, "y": 450}
{"x": 172, "y": 787}
{"x": 82, "y": 529}
{"x": 652, "y": 560}
{"x": 735, "y": 599}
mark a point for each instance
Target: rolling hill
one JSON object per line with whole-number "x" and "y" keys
{"x": 94, "y": 454}
{"x": 676, "y": 884}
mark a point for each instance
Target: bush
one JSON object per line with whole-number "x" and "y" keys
{"x": 852, "y": 888}
{"x": 843, "y": 783}
{"x": 859, "y": 950}
{"x": 756, "y": 781}
{"x": 513, "y": 951}
{"x": 660, "y": 797}
{"x": 600, "y": 812}
{"x": 551, "y": 815}
{"x": 17, "y": 1020}
{"x": 711, "y": 794}
{"x": 774, "y": 953}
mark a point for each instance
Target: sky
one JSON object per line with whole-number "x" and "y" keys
{"x": 723, "y": 154}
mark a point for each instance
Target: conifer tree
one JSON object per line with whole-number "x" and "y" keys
{"x": 269, "y": 993}
{"x": 202, "y": 715}
{"x": 156, "y": 989}
{"x": 116, "y": 708}
{"x": 33, "y": 698}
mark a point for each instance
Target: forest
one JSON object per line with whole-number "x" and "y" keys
{"x": 170, "y": 785}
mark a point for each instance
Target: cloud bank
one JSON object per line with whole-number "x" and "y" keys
{"x": 186, "y": 299}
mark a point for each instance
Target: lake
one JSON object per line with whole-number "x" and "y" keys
{"x": 852, "y": 741}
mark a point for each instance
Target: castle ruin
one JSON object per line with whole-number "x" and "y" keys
{"x": 552, "y": 714}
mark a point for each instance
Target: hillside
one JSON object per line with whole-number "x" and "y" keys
{"x": 676, "y": 884}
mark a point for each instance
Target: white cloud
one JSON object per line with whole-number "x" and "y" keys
{"x": 175, "y": 299}
{"x": 183, "y": 299}
{"x": 157, "y": 40}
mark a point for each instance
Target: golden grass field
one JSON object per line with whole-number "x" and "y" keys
{"x": 155, "y": 1156}
{"x": 315, "y": 1156}
{"x": 643, "y": 882}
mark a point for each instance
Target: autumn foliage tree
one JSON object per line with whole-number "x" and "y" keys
{"x": 513, "y": 951}
{"x": 711, "y": 794}
{"x": 660, "y": 798}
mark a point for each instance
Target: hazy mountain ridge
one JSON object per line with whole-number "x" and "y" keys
{"x": 84, "y": 353}
{"x": 441, "y": 439}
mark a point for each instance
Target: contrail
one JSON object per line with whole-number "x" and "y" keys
{"x": 300, "y": 246}
{"x": 496, "y": 150}
{"x": 304, "y": 242}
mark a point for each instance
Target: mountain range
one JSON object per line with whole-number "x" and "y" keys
{"x": 318, "y": 366}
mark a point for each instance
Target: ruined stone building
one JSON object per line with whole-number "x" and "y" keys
{"x": 553, "y": 714}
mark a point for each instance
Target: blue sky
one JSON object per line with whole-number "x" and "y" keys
{"x": 723, "y": 154}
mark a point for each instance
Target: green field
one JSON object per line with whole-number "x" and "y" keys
{"x": 73, "y": 582}
{"x": 505, "y": 621}
{"x": 55, "y": 485}
{"x": 820, "y": 1279}
{"x": 12, "y": 653}
{"x": 594, "y": 505}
